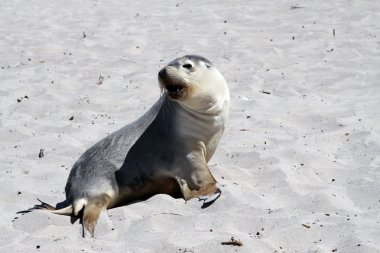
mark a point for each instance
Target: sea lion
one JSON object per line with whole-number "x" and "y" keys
{"x": 165, "y": 151}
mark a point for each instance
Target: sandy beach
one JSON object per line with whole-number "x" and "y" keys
{"x": 298, "y": 165}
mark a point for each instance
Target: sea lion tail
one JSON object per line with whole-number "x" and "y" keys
{"x": 68, "y": 210}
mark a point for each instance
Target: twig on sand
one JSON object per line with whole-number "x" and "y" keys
{"x": 225, "y": 57}
{"x": 265, "y": 92}
{"x": 233, "y": 242}
{"x": 296, "y": 7}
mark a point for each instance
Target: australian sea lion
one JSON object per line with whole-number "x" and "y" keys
{"x": 164, "y": 151}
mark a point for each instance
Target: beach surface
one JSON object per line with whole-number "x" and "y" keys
{"x": 299, "y": 164}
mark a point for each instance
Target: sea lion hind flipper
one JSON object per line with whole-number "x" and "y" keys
{"x": 92, "y": 211}
{"x": 90, "y": 217}
{"x": 68, "y": 210}
{"x": 44, "y": 205}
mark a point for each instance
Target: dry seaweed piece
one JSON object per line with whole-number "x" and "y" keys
{"x": 233, "y": 242}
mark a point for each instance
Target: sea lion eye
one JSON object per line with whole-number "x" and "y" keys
{"x": 187, "y": 66}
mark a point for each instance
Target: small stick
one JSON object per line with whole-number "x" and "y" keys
{"x": 295, "y": 7}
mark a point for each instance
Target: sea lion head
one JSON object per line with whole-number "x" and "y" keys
{"x": 195, "y": 83}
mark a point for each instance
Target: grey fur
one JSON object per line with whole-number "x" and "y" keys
{"x": 137, "y": 152}
{"x": 196, "y": 58}
{"x": 94, "y": 172}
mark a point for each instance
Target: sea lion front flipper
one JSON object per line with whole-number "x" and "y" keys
{"x": 208, "y": 200}
{"x": 198, "y": 181}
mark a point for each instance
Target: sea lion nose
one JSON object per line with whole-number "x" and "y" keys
{"x": 162, "y": 73}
